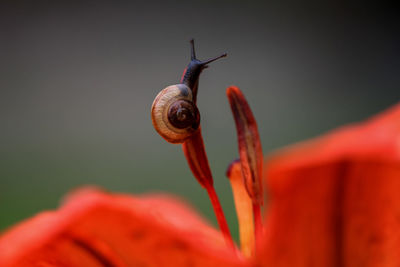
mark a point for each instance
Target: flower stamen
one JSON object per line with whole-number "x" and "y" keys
{"x": 193, "y": 147}
{"x": 244, "y": 208}
{"x": 196, "y": 157}
{"x": 176, "y": 118}
{"x": 250, "y": 153}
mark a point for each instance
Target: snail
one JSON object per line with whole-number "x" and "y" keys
{"x": 174, "y": 112}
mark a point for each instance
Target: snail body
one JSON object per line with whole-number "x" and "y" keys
{"x": 174, "y": 111}
{"x": 174, "y": 114}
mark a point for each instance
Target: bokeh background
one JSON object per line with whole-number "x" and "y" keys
{"x": 78, "y": 78}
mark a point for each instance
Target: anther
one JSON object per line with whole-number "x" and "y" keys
{"x": 250, "y": 150}
{"x": 244, "y": 208}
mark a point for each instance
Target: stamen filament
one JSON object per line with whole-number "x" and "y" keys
{"x": 250, "y": 152}
{"x": 258, "y": 226}
{"x": 244, "y": 209}
{"x": 196, "y": 156}
{"x": 219, "y": 213}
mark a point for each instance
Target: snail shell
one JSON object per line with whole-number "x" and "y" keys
{"x": 175, "y": 117}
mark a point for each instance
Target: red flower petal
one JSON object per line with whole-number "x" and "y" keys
{"x": 335, "y": 200}
{"x": 99, "y": 229}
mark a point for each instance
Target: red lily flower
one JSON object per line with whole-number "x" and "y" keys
{"x": 333, "y": 201}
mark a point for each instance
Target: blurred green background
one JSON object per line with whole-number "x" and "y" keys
{"x": 78, "y": 79}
